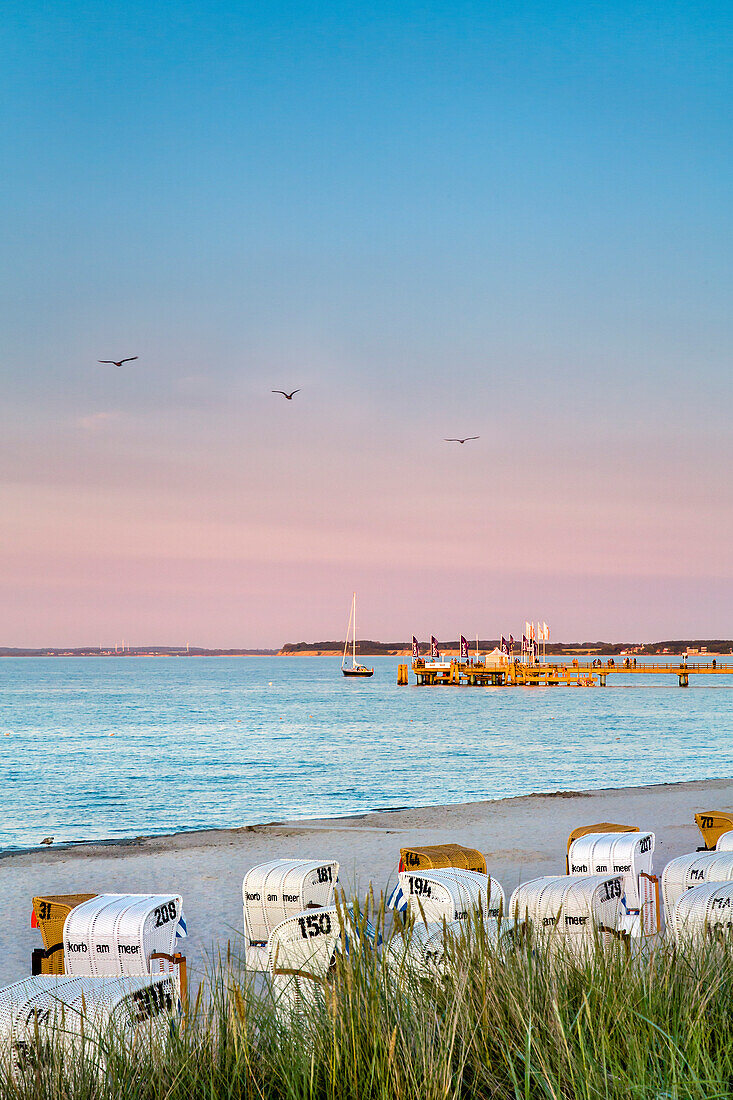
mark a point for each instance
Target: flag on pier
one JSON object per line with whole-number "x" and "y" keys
{"x": 525, "y": 642}
{"x": 545, "y": 635}
{"x": 464, "y": 648}
{"x": 434, "y": 649}
{"x": 511, "y": 643}
{"x": 415, "y": 647}
{"x": 504, "y": 645}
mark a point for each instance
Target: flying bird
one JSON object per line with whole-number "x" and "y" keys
{"x": 466, "y": 440}
{"x": 115, "y": 363}
{"x": 287, "y": 396}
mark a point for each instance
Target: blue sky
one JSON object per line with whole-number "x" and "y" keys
{"x": 511, "y": 221}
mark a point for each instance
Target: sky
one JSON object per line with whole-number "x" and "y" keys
{"x": 434, "y": 219}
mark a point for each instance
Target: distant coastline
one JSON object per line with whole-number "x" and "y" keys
{"x": 368, "y": 648}
{"x": 133, "y": 651}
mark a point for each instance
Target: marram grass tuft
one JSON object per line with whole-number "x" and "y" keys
{"x": 503, "y": 1026}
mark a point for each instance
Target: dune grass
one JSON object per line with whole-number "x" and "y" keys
{"x": 511, "y": 1025}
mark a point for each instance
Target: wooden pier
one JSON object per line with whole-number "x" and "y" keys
{"x": 573, "y": 673}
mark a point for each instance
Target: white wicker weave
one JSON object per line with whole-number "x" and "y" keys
{"x": 451, "y": 894}
{"x": 569, "y": 912}
{"x": 116, "y": 934}
{"x": 50, "y": 1014}
{"x": 704, "y": 912}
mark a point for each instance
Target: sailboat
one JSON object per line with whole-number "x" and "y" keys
{"x": 355, "y": 669}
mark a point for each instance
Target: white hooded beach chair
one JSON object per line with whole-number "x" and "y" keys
{"x": 421, "y": 950}
{"x": 685, "y": 872}
{"x": 301, "y": 951}
{"x": 47, "y": 1015}
{"x": 626, "y": 854}
{"x": 123, "y": 934}
{"x": 725, "y": 842}
{"x": 630, "y": 854}
{"x": 273, "y": 892}
{"x": 571, "y": 913}
{"x": 447, "y": 893}
{"x": 703, "y": 913}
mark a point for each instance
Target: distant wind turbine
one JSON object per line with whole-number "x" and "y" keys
{"x": 466, "y": 440}
{"x": 287, "y": 396}
{"x": 116, "y": 363}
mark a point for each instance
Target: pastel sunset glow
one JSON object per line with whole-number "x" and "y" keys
{"x": 434, "y": 221}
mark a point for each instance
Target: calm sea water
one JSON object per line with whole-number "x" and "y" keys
{"x": 204, "y": 742}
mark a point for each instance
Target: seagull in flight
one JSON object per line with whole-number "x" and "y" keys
{"x": 287, "y": 396}
{"x": 466, "y": 440}
{"x": 115, "y": 363}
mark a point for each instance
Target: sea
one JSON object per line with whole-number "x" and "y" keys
{"x": 107, "y": 748}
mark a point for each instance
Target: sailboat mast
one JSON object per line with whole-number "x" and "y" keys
{"x": 346, "y": 640}
{"x": 353, "y": 659}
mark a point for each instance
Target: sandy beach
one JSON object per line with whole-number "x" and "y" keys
{"x": 521, "y": 837}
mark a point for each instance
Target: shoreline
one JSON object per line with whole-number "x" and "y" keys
{"x": 183, "y": 839}
{"x": 522, "y": 837}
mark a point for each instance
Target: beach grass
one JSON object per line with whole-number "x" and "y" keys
{"x": 515, "y": 1024}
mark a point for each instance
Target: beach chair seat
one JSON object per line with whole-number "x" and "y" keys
{"x": 124, "y": 934}
{"x": 712, "y": 824}
{"x": 48, "y": 1015}
{"x": 48, "y": 915}
{"x": 704, "y": 914}
{"x": 275, "y": 891}
{"x": 570, "y": 913}
{"x": 447, "y": 893}
{"x": 301, "y": 952}
{"x": 613, "y": 853}
{"x": 691, "y": 870}
{"x": 433, "y": 856}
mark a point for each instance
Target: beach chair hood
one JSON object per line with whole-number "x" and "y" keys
{"x": 447, "y": 894}
{"x": 627, "y": 854}
{"x": 573, "y": 910}
{"x": 119, "y": 934}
